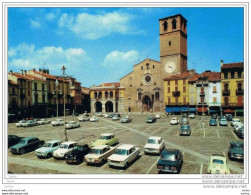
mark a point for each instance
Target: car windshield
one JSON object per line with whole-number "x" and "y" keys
{"x": 58, "y": 120}
{"x": 152, "y": 141}
{"x": 223, "y": 120}
{"x": 217, "y": 161}
{"x": 184, "y": 127}
{"x": 173, "y": 119}
{"x": 237, "y": 145}
{"x": 22, "y": 141}
{"x": 95, "y": 151}
{"x": 71, "y": 122}
{"x": 105, "y": 137}
{"x": 169, "y": 157}
{"x": 64, "y": 146}
{"x": 47, "y": 145}
{"x": 149, "y": 118}
{"x": 120, "y": 152}
{"x": 212, "y": 120}
{"x": 236, "y": 120}
{"x": 78, "y": 147}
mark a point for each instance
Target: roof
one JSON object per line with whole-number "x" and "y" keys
{"x": 106, "y": 134}
{"x": 233, "y": 65}
{"x": 211, "y": 76}
{"x": 100, "y": 147}
{"x": 155, "y": 137}
{"x": 215, "y": 76}
{"x": 173, "y": 17}
{"x": 53, "y": 141}
{"x": 125, "y": 146}
{"x": 28, "y": 138}
{"x": 126, "y": 75}
{"x": 35, "y": 78}
{"x": 49, "y": 76}
{"x": 183, "y": 75}
{"x": 236, "y": 142}
{"x": 109, "y": 84}
{"x": 168, "y": 151}
{"x": 12, "y": 82}
{"x": 145, "y": 60}
{"x": 20, "y": 76}
{"x": 69, "y": 142}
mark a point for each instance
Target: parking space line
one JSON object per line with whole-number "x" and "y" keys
{"x": 152, "y": 166}
{"x": 177, "y": 134}
{"x": 183, "y": 152}
{"x": 103, "y": 166}
{"x": 120, "y": 171}
{"x": 218, "y": 134}
{"x": 201, "y": 168}
{"x": 224, "y": 153}
{"x": 147, "y": 129}
{"x": 234, "y": 135}
{"x": 155, "y": 131}
{"x": 204, "y": 134}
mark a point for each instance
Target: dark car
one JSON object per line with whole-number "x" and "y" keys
{"x": 240, "y": 132}
{"x": 184, "y": 121}
{"x": 117, "y": 114}
{"x": 170, "y": 161}
{"x": 76, "y": 156}
{"x": 212, "y": 122}
{"x": 214, "y": 116}
{"x": 13, "y": 140}
{"x": 150, "y": 119}
{"x": 236, "y": 151}
{"x": 221, "y": 117}
{"x": 229, "y": 117}
{"x": 26, "y": 144}
{"x": 185, "y": 130}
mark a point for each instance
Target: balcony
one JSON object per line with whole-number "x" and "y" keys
{"x": 202, "y": 93}
{"x": 202, "y": 103}
{"x": 232, "y": 104}
{"x": 239, "y": 92}
{"x": 176, "y": 93}
{"x": 225, "y": 92}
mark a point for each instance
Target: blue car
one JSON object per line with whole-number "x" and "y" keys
{"x": 212, "y": 122}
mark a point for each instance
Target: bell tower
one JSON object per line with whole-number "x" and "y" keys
{"x": 173, "y": 45}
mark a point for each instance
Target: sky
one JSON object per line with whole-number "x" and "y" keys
{"x": 98, "y": 45}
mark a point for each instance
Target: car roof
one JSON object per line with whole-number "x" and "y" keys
{"x": 72, "y": 121}
{"x": 106, "y": 134}
{"x": 28, "y": 138}
{"x": 100, "y": 147}
{"x": 69, "y": 142}
{"x": 236, "y": 119}
{"x": 53, "y": 141}
{"x": 126, "y": 146}
{"x": 218, "y": 156}
{"x": 155, "y": 137}
{"x": 236, "y": 142}
{"x": 170, "y": 151}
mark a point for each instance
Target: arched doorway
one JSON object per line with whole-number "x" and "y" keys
{"x": 109, "y": 106}
{"x": 98, "y": 106}
{"x": 147, "y": 103}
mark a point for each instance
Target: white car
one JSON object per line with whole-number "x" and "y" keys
{"x": 218, "y": 164}
{"x": 57, "y": 122}
{"x": 126, "y": 119}
{"x": 83, "y": 118}
{"x": 21, "y": 123}
{"x": 237, "y": 126}
{"x": 99, "y": 154}
{"x": 43, "y": 121}
{"x": 234, "y": 121}
{"x": 157, "y": 116}
{"x": 64, "y": 149}
{"x": 123, "y": 156}
{"x": 94, "y": 119}
{"x": 30, "y": 123}
{"x": 72, "y": 124}
{"x": 115, "y": 118}
{"x": 191, "y": 115}
{"x": 47, "y": 149}
{"x": 154, "y": 145}
{"x": 174, "y": 121}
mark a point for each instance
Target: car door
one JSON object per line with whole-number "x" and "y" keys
{"x": 161, "y": 144}
{"x": 71, "y": 146}
{"x": 133, "y": 154}
{"x": 29, "y": 146}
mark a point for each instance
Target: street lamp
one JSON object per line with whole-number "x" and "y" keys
{"x": 63, "y": 69}
{"x": 56, "y": 83}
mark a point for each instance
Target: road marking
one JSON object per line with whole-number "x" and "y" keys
{"x": 177, "y": 134}
{"x": 204, "y": 134}
{"x": 152, "y": 166}
{"x": 155, "y": 131}
{"x": 201, "y": 168}
{"x": 234, "y": 135}
{"x": 141, "y": 153}
{"x": 103, "y": 166}
{"x": 120, "y": 170}
{"x": 147, "y": 129}
{"x": 192, "y": 131}
{"x": 183, "y": 153}
{"x": 218, "y": 134}
{"x": 224, "y": 153}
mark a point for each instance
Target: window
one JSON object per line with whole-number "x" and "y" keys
{"x": 139, "y": 96}
{"x": 130, "y": 78}
{"x": 184, "y": 81}
{"x": 130, "y": 85}
{"x": 214, "y": 99}
{"x": 176, "y": 82}
{"x": 184, "y": 88}
{"x": 170, "y": 43}
{"x": 95, "y": 95}
{"x": 35, "y": 86}
{"x": 176, "y": 88}
{"x": 13, "y": 91}
{"x": 226, "y": 101}
{"x": 174, "y": 24}
{"x": 202, "y": 99}
{"x": 169, "y": 100}
{"x": 157, "y": 95}
{"x": 226, "y": 87}
{"x": 214, "y": 89}
{"x": 29, "y": 93}
{"x": 184, "y": 100}
{"x": 168, "y": 89}
{"x": 141, "y": 67}
{"x": 232, "y": 75}
{"x": 168, "y": 82}
{"x": 165, "y": 25}
{"x": 153, "y": 66}
{"x": 43, "y": 99}
{"x": 36, "y": 98}
{"x": 147, "y": 66}
{"x": 43, "y": 87}
{"x": 239, "y": 75}
{"x": 225, "y": 75}
{"x": 111, "y": 94}
{"x": 239, "y": 86}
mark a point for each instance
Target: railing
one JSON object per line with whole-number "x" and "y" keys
{"x": 239, "y": 92}
{"x": 202, "y": 93}
{"x": 176, "y": 93}
{"x": 232, "y": 104}
{"x": 225, "y": 92}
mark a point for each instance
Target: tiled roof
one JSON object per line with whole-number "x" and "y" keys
{"x": 233, "y": 65}
{"x": 183, "y": 75}
{"x": 35, "y": 78}
{"x": 20, "y": 76}
{"x": 194, "y": 77}
{"x": 212, "y": 76}
{"x": 12, "y": 82}
{"x": 215, "y": 76}
{"x": 109, "y": 84}
{"x": 49, "y": 76}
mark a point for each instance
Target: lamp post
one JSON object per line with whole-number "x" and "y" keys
{"x": 56, "y": 82}
{"x": 63, "y": 69}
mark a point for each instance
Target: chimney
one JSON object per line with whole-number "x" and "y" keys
{"x": 21, "y": 72}
{"x": 11, "y": 71}
{"x": 221, "y": 63}
{"x": 25, "y": 72}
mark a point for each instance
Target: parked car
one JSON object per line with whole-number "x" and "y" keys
{"x": 184, "y": 121}
{"x": 154, "y": 145}
{"x": 170, "y": 161}
{"x": 64, "y": 149}
{"x": 115, "y": 117}
{"x": 229, "y": 117}
{"x": 191, "y": 115}
{"x": 105, "y": 139}
{"x": 123, "y": 156}
{"x": 212, "y": 122}
{"x": 235, "y": 120}
{"x": 236, "y": 151}
{"x": 13, "y": 140}
{"x": 26, "y": 144}
{"x": 77, "y": 154}
{"x": 30, "y": 123}
{"x": 99, "y": 154}
{"x": 21, "y": 123}
{"x": 47, "y": 149}
{"x": 126, "y": 119}
{"x": 99, "y": 114}
{"x": 174, "y": 121}
{"x": 57, "y": 122}
{"x": 237, "y": 126}
{"x": 240, "y": 132}
{"x": 221, "y": 117}
{"x": 43, "y": 121}
{"x": 83, "y": 118}
{"x": 157, "y": 116}
{"x": 223, "y": 122}
{"x": 94, "y": 119}
{"x": 214, "y": 116}
{"x": 72, "y": 124}
{"x": 185, "y": 130}
{"x": 108, "y": 115}
{"x": 150, "y": 119}
{"x": 218, "y": 164}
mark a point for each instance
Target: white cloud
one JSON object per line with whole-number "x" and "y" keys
{"x": 50, "y": 16}
{"x": 92, "y": 27}
{"x": 26, "y": 56}
{"x": 35, "y": 24}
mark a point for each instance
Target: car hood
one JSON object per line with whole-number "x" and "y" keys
{"x": 43, "y": 149}
{"x": 61, "y": 150}
{"x": 18, "y": 146}
{"x": 93, "y": 155}
{"x": 153, "y": 146}
{"x": 99, "y": 142}
{"x": 117, "y": 157}
{"x": 167, "y": 163}
{"x": 237, "y": 150}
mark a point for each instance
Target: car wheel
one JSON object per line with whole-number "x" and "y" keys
{"x": 126, "y": 165}
{"x": 49, "y": 155}
{"x": 22, "y": 151}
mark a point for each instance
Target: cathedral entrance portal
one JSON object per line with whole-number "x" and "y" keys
{"x": 146, "y": 104}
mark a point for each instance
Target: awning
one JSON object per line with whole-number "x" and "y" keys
{"x": 192, "y": 109}
{"x": 202, "y": 109}
{"x": 240, "y": 110}
{"x": 228, "y": 111}
{"x": 213, "y": 111}
{"x": 184, "y": 109}
{"x": 169, "y": 110}
{"x": 176, "y": 109}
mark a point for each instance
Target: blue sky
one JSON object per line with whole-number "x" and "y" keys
{"x": 102, "y": 44}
